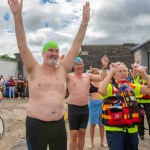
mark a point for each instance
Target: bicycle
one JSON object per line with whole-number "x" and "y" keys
{"x": 1, "y": 127}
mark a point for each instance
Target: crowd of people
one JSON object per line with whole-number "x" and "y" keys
{"x": 103, "y": 97}
{"x": 14, "y": 88}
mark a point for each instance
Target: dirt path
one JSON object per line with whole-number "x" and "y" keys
{"x": 13, "y": 114}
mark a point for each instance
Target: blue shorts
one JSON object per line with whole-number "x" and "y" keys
{"x": 95, "y": 111}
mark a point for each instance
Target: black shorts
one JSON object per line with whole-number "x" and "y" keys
{"x": 40, "y": 134}
{"x": 78, "y": 116}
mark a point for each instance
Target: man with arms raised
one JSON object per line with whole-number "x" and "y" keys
{"x": 44, "y": 124}
{"x": 78, "y": 112}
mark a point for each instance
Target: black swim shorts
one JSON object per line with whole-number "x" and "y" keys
{"x": 40, "y": 134}
{"x": 78, "y": 116}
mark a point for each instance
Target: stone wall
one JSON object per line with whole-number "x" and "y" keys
{"x": 114, "y": 53}
{"x": 20, "y": 64}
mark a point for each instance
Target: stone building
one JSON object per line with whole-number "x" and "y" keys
{"x": 91, "y": 54}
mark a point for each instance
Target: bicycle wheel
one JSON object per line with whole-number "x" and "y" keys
{"x": 1, "y": 127}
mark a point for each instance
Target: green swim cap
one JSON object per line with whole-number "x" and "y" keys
{"x": 50, "y": 45}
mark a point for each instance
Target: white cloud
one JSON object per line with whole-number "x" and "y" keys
{"x": 116, "y": 21}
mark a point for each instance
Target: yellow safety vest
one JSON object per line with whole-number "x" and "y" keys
{"x": 133, "y": 129}
{"x": 141, "y": 98}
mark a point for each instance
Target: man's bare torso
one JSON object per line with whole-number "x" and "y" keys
{"x": 47, "y": 92}
{"x": 78, "y": 88}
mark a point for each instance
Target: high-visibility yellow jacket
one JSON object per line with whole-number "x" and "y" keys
{"x": 141, "y": 98}
{"x": 110, "y": 90}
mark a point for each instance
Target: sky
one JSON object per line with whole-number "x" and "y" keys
{"x": 111, "y": 22}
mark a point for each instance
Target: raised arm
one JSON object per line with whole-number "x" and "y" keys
{"x": 25, "y": 53}
{"x": 137, "y": 60}
{"x": 103, "y": 86}
{"x": 135, "y": 74}
{"x": 74, "y": 51}
{"x": 145, "y": 89}
{"x": 104, "y": 61}
{"x": 100, "y": 77}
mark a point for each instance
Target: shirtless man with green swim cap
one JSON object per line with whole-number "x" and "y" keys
{"x": 45, "y": 109}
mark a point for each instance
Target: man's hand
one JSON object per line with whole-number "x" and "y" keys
{"x": 104, "y": 61}
{"x": 15, "y": 6}
{"x": 138, "y": 68}
{"x": 86, "y": 13}
{"x": 142, "y": 72}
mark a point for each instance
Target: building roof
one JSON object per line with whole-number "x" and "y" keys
{"x": 140, "y": 45}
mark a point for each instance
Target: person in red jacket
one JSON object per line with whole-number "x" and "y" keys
{"x": 11, "y": 87}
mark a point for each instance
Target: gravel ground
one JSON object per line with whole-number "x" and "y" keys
{"x": 13, "y": 114}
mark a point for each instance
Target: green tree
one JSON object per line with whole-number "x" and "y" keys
{"x": 7, "y": 57}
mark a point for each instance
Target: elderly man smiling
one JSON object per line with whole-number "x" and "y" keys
{"x": 45, "y": 109}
